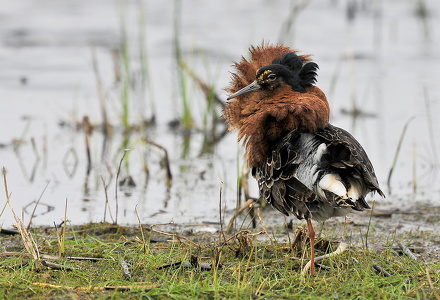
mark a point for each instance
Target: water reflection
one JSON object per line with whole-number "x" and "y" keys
{"x": 375, "y": 58}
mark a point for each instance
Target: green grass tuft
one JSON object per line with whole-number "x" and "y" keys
{"x": 265, "y": 271}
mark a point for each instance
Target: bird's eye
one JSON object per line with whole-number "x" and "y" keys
{"x": 272, "y": 77}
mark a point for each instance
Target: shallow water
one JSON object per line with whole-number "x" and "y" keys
{"x": 386, "y": 60}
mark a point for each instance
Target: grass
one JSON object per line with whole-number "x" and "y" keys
{"x": 261, "y": 270}
{"x": 125, "y": 88}
{"x": 186, "y": 117}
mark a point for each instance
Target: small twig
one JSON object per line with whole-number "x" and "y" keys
{"x": 106, "y": 202}
{"x": 174, "y": 235}
{"x": 249, "y": 203}
{"x": 106, "y": 198}
{"x": 413, "y": 249}
{"x": 116, "y": 185}
{"x": 406, "y": 251}
{"x": 36, "y": 204}
{"x": 27, "y": 255}
{"x": 396, "y": 155}
{"x": 299, "y": 240}
{"x": 220, "y": 211}
{"x": 87, "y": 131}
{"x": 137, "y": 286}
{"x": 241, "y": 232}
{"x": 414, "y": 290}
{"x": 169, "y": 176}
{"x": 437, "y": 296}
{"x": 263, "y": 226}
{"x": 341, "y": 248}
{"x": 55, "y": 266}
{"x": 93, "y": 259}
{"x": 323, "y": 267}
{"x": 144, "y": 243}
{"x": 5, "y": 205}
{"x": 61, "y": 237}
{"x": 380, "y": 270}
{"x": 51, "y": 257}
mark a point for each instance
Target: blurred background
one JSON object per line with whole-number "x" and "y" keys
{"x": 113, "y": 107}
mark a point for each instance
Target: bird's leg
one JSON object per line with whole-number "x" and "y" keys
{"x": 312, "y": 246}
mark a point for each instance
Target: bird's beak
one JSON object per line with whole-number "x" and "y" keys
{"x": 254, "y": 86}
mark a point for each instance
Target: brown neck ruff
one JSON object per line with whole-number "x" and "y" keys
{"x": 262, "y": 118}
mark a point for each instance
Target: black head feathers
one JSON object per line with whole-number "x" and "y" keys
{"x": 290, "y": 60}
{"x": 308, "y": 74}
{"x": 301, "y": 75}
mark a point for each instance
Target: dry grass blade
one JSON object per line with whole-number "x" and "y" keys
{"x": 116, "y": 185}
{"x": 51, "y": 257}
{"x": 169, "y": 176}
{"x": 26, "y": 237}
{"x": 36, "y": 205}
{"x": 222, "y": 232}
{"x": 174, "y": 235}
{"x": 249, "y": 203}
{"x": 244, "y": 232}
{"x": 264, "y": 226}
{"x": 406, "y": 251}
{"x": 414, "y": 290}
{"x": 55, "y": 266}
{"x": 144, "y": 242}
{"x": 437, "y": 296}
{"x": 106, "y": 199}
{"x": 138, "y": 286}
{"x": 87, "y": 132}
{"x": 61, "y": 236}
{"x": 396, "y": 155}
{"x": 4, "y": 207}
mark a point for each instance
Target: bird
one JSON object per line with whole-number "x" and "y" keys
{"x": 304, "y": 165}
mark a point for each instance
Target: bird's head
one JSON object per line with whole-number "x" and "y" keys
{"x": 287, "y": 70}
{"x": 274, "y": 93}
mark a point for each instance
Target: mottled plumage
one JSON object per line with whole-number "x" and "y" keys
{"x": 290, "y": 178}
{"x": 303, "y": 165}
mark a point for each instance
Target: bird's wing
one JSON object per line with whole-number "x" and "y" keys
{"x": 347, "y": 153}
